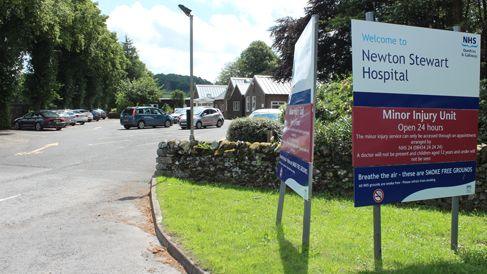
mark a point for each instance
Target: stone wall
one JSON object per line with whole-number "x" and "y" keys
{"x": 253, "y": 164}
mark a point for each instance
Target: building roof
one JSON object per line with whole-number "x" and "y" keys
{"x": 270, "y": 86}
{"x": 243, "y": 87}
{"x": 210, "y": 91}
{"x": 237, "y": 80}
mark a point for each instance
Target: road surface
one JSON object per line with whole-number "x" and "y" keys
{"x": 76, "y": 200}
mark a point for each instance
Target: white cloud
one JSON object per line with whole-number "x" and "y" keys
{"x": 161, "y": 35}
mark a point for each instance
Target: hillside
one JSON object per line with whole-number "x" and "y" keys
{"x": 171, "y": 82}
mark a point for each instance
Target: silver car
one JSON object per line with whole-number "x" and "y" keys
{"x": 204, "y": 117}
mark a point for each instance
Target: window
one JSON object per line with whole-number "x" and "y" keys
{"x": 277, "y": 104}
{"x": 140, "y": 111}
{"x": 236, "y": 105}
{"x": 247, "y": 104}
{"x": 254, "y": 103}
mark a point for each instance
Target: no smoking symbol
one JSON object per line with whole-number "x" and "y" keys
{"x": 378, "y": 195}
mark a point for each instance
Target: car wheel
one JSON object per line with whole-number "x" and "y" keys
{"x": 141, "y": 125}
{"x": 59, "y": 128}
{"x": 126, "y": 127}
{"x": 38, "y": 127}
{"x": 167, "y": 123}
{"x": 81, "y": 123}
{"x": 219, "y": 123}
{"x": 16, "y": 125}
{"x": 199, "y": 125}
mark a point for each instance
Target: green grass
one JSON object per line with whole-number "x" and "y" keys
{"x": 230, "y": 229}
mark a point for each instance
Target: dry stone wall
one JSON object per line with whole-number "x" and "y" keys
{"x": 253, "y": 165}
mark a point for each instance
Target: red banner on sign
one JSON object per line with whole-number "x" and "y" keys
{"x": 397, "y": 136}
{"x": 297, "y": 135}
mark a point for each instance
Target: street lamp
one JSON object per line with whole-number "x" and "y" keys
{"x": 190, "y": 118}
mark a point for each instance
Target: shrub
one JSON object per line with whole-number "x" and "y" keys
{"x": 253, "y": 130}
{"x": 335, "y": 136}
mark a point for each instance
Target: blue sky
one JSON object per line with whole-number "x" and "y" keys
{"x": 222, "y": 29}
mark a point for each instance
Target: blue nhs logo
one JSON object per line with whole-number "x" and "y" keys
{"x": 469, "y": 41}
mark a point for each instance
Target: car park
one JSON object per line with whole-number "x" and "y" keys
{"x": 141, "y": 117}
{"x": 203, "y": 117}
{"x": 40, "y": 120}
{"x": 266, "y": 113}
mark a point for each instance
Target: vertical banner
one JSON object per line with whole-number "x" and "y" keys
{"x": 415, "y": 112}
{"x": 296, "y": 157}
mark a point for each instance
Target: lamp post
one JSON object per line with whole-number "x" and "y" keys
{"x": 190, "y": 118}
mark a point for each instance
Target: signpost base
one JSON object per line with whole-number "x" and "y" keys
{"x": 377, "y": 239}
{"x": 280, "y": 205}
{"x": 306, "y": 224}
{"x": 455, "y": 203}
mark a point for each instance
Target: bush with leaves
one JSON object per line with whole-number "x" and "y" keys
{"x": 253, "y": 130}
{"x": 483, "y": 112}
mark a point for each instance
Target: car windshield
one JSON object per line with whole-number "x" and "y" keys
{"x": 49, "y": 114}
{"x": 271, "y": 116}
{"x": 198, "y": 111}
{"x": 180, "y": 111}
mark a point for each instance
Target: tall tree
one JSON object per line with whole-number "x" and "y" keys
{"x": 136, "y": 69}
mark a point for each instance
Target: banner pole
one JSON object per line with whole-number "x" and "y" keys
{"x": 280, "y": 205}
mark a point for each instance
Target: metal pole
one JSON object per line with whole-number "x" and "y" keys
{"x": 377, "y": 238}
{"x": 191, "y": 135}
{"x": 280, "y": 205}
{"x": 455, "y": 205}
{"x": 369, "y": 16}
{"x": 454, "y": 222}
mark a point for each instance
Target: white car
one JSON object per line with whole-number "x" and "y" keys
{"x": 266, "y": 113}
{"x": 80, "y": 117}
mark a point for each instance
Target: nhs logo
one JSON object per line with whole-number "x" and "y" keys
{"x": 469, "y": 42}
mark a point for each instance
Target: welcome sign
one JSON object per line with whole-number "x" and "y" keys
{"x": 415, "y": 112}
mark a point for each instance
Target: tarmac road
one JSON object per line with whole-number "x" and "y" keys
{"x": 76, "y": 200}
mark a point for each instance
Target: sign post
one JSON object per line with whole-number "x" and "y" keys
{"x": 295, "y": 167}
{"x": 414, "y": 117}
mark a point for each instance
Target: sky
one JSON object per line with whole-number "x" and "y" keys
{"x": 222, "y": 29}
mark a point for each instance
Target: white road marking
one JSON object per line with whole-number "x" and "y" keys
{"x": 11, "y": 197}
{"x": 37, "y": 151}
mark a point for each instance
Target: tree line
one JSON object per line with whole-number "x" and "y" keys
{"x": 334, "y": 34}
{"x": 60, "y": 54}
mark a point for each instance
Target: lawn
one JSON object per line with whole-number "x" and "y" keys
{"x": 229, "y": 229}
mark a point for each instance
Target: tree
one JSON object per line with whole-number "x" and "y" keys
{"x": 257, "y": 58}
{"x": 178, "y": 97}
{"x": 135, "y": 69}
{"x": 15, "y": 19}
{"x": 141, "y": 91}
{"x": 171, "y": 82}
{"x": 334, "y": 37}
{"x": 230, "y": 70}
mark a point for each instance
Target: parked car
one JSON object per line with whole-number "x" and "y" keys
{"x": 40, "y": 120}
{"x": 204, "y": 117}
{"x": 68, "y": 115}
{"x": 144, "y": 116}
{"x": 87, "y": 113}
{"x": 96, "y": 115}
{"x": 80, "y": 116}
{"x": 266, "y": 113}
{"x": 102, "y": 113}
{"x": 178, "y": 112}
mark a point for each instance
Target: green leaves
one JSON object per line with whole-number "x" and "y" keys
{"x": 258, "y": 58}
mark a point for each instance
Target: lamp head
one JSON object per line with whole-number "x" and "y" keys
{"x": 185, "y": 10}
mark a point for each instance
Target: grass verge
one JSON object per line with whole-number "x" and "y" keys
{"x": 230, "y": 229}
